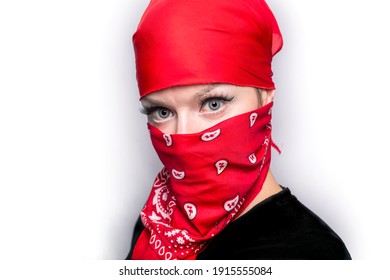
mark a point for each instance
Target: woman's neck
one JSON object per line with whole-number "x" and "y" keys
{"x": 270, "y": 187}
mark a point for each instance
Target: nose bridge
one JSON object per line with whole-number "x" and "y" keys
{"x": 184, "y": 123}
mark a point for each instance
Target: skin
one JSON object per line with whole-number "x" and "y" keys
{"x": 193, "y": 108}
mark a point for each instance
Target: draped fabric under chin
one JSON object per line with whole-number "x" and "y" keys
{"x": 184, "y": 42}
{"x": 207, "y": 180}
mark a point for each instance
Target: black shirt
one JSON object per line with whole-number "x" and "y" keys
{"x": 278, "y": 228}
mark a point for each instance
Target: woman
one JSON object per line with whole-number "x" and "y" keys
{"x": 205, "y": 81}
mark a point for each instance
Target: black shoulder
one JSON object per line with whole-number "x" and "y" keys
{"x": 138, "y": 228}
{"x": 312, "y": 238}
{"x": 280, "y": 228}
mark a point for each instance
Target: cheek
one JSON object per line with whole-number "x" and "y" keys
{"x": 166, "y": 127}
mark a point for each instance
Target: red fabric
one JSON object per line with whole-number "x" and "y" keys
{"x": 183, "y": 42}
{"x": 208, "y": 178}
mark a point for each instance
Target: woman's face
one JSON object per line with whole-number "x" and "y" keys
{"x": 193, "y": 108}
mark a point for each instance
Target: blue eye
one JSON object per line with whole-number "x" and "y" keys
{"x": 157, "y": 113}
{"x": 161, "y": 113}
{"x": 214, "y": 104}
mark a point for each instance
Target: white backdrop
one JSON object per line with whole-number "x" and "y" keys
{"x": 76, "y": 164}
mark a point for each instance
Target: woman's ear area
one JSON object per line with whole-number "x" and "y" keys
{"x": 265, "y": 95}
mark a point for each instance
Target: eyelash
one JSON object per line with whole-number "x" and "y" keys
{"x": 151, "y": 110}
{"x": 202, "y": 102}
{"x": 224, "y": 98}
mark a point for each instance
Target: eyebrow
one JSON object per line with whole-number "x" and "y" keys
{"x": 207, "y": 89}
{"x": 148, "y": 102}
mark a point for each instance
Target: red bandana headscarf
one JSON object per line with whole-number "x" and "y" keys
{"x": 211, "y": 176}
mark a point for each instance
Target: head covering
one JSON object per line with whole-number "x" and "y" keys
{"x": 183, "y": 42}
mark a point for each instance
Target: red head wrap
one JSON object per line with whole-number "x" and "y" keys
{"x": 183, "y": 42}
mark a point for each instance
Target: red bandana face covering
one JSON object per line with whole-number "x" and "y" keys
{"x": 208, "y": 178}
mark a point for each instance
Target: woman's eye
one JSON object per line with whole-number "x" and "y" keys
{"x": 161, "y": 114}
{"x": 213, "y": 105}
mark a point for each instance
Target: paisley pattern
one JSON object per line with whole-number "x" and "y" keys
{"x": 208, "y": 178}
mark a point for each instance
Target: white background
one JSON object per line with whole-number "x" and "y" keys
{"x": 76, "y": 164}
